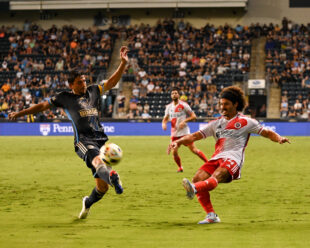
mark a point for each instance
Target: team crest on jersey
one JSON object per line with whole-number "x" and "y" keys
{"x": 83, "y": 102}
{"x": 238, "y": 125}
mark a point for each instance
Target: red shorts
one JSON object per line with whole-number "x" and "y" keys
{"x": 229, "y": 164}
{"x": 176, "y": 138}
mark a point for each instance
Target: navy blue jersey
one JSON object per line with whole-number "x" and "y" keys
{"x": 83, "y": 112}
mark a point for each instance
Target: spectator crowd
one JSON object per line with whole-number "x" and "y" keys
{"x": 288, "y": 67}
{"x": 198, "y": 61}
{"x": 34, "y": 64}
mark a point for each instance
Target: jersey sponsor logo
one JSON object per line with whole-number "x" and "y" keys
{"x": 45, "y": 129}
{"x": 176, "y": 114}
{"x": 226, "y": 133}
{"x": 88, "y": 112}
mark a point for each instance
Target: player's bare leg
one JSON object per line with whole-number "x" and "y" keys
{"x": 177, "y": 160}
{"x": 196, "y": 151}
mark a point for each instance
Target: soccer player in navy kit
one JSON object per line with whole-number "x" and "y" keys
{"x": 81, "y": 107}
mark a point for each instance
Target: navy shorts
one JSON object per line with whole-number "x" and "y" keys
{"x": 88, "y": 150}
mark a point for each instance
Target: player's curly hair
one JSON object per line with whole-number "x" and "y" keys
{"x": 234, "y": 94}
{"x": 73, "y": 75}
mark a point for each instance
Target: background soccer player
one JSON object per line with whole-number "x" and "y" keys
{"x": 81, "y": 107}
{"x": 231, "y": 132}
{"x": 179, "y": 113}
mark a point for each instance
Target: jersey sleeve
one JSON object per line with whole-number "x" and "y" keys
{"x": 208, "y": 129}
{"x": 254, "y": 126}
{"x": 58, "y": 100}
{"x": 187, "y": 109}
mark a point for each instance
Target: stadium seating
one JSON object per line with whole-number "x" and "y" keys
{"x": 41, "y": 60}
{"x": 287, "y": 64}
{"x": 192, "y": 59}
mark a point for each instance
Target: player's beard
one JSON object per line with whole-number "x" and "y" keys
{"x": 176, "y": 101}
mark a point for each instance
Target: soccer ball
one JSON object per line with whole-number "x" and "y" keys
{"x": 111, "y": 153}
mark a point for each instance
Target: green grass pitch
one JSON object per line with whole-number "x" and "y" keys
{"x": 42, "y": 182}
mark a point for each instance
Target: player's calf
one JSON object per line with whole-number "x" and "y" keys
{"x": 103, "y": 173}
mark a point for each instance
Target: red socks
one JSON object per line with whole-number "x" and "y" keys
{"x": 202, "y": 156}
{"x": 205, "y": 202}
{"x": 206, "y": 185}
{"x": 203, "y": 195}
{"x": 177, "y": 160}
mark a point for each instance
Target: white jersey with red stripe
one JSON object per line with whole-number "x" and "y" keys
{"x": 177, "y": 114}
{"x": 231, "y": 136}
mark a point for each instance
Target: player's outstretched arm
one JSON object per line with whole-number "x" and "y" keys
{"x": 113, "y": 80}
{"x": 40, "y": 107}
{"x": 273, "y": 136}
{"x": 186, "y": 140}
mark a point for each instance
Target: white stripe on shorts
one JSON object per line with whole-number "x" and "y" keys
{"x": 82, "y": 147}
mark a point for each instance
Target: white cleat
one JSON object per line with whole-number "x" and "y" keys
{"x": 210, "y": 219}
{"x": 85, "y": 211}
{"x": 190, "y": 188}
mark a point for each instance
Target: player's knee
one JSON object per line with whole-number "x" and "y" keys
{"x": 101, "y": 186}
{"x": 96, "y": 161}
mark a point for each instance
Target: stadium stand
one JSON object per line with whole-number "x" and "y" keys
{"x": 36, "y": 62}
{"x": 199, "y": 61}
{"x": 288, "y": 67}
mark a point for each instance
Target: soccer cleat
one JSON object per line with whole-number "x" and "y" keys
{"x": 85, "y": 211}
{"x": 210, "y": 219}
{"x": 180, "y": 169}
{"x": 116, "y": 182}
{"x": 190, "y": 188}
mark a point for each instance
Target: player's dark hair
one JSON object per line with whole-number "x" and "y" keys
{"x": 73, "y": 75}
{"x": 175, "y": 89}
{"x": 234, "y": 94}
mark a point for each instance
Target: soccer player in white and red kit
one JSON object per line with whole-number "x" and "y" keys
{"x": 231, "y": 132}
{"x": 179, "y": 113}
